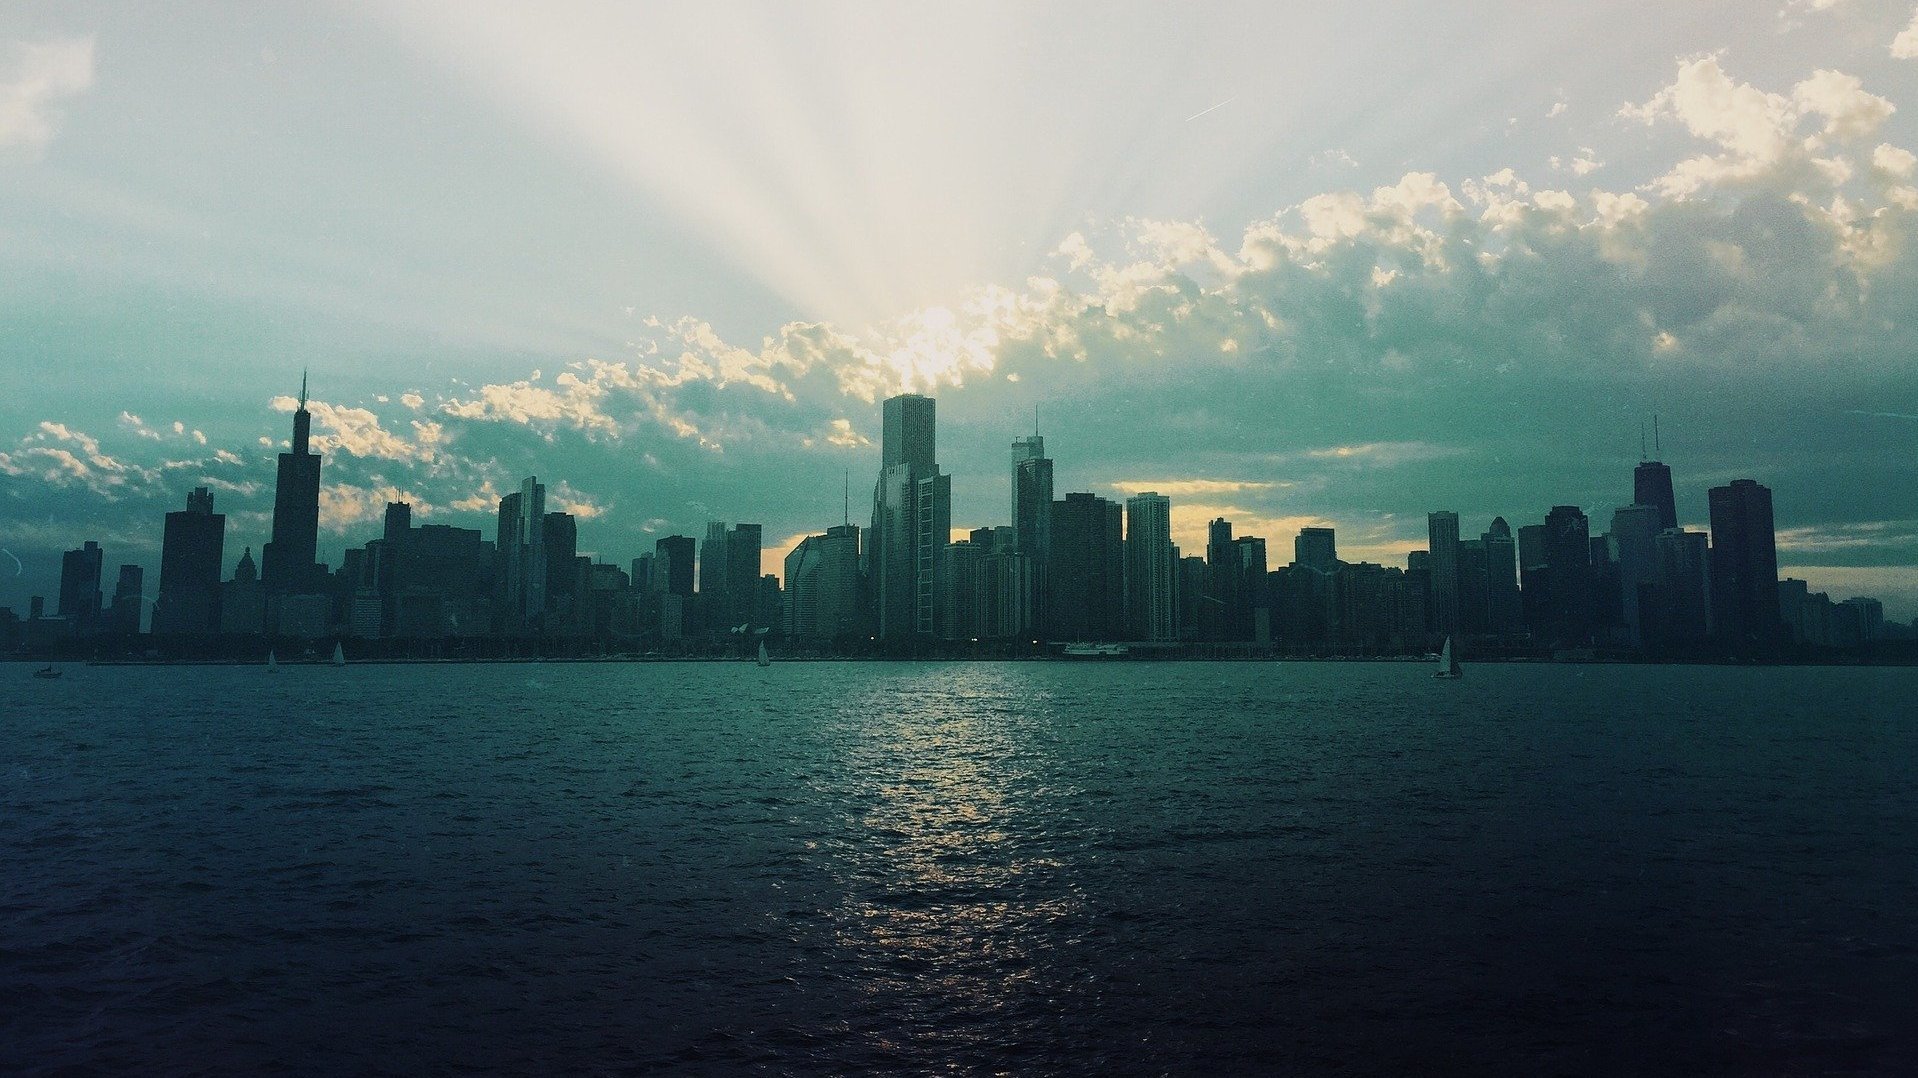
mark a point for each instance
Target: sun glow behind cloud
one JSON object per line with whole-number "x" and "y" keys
{"x": 864, "y": 161}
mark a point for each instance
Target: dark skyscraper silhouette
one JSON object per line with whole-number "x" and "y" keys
{"x": 128, "y": 593}
{"x": 1744, "y": 573}
{"x": 191, "y": 555}
{"x": 289, "y": 562}
{"x": 1088, "y": 567}
{"x": 1567, "y": 612}
{"x": 1504, "y": 609}
{"x": 1150, "y": 568}
{"x": 1652, "y": 485}
{"x": 80, "y": 587}
{"x": 911, "y": 522}
{"x": 673, "y": 565}
{"x": 1317, "y": 549}
{"x": 1442, "y": 539}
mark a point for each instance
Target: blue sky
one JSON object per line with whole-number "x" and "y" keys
{"x": 1292, "y": 264}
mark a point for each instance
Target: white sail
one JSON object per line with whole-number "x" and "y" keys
{"x": 271, "y": 662}
{"x": 339, "y": 655}
{"x": 764, "y": 659}
{"x": 1445, "y": 657}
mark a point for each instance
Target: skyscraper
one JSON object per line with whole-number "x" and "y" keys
{"x": 1568, "y": 577}
{"x": 822, "y": 584}
{"x": 1442, "y": 535}
{"x": 191, "y": 553}
{"x": 1635, "y": 531}
{"x": 124, "y": 616}
{"x": 1316, "y": 549}
{"x": 1088, "y": 570}
{"x": 1151, "y": 610}
{"x": 911, "y": 522}
{"x": 742, "y": 572}
{"x": 521, "y": 544}
{"x": 1744, "y": 581}
{"x": 290, "y": 560}
{"x": 79, "y": 599}
{"x": 673, "y": 565}
{"x": 1032, "y": 512}
{"x": 1652, "y": 485}
{"x": 1503, "y": 604}
{"x": 1218, "y": 611}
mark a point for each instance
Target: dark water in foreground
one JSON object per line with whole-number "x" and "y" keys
{"x": 1034, "y": 868}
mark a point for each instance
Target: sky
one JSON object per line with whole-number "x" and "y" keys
{"x": 1293, "y": 264}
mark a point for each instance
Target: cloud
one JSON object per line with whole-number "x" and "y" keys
{"x": 1759, "y": 132}
{"x": 1183, "y": 488}
{"x": 34, "y": 78}
{"x": 1905, "y": 45}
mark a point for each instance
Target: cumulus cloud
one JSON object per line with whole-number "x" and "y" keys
{"x": 1905, "y": 45}
{"x": 35, "y": 77}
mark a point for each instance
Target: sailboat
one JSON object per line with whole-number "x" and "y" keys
{"x": 47, "y": 672}
{"x": 1448, "y": 663}
{"x": 339, "y": 654}
{"x": 764, "y": 659}
{"x": 272, "y": 664}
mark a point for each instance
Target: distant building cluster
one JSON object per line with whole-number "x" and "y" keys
{"x": 1077, "y": 568}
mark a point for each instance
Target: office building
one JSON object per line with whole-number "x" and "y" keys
{"x": 1744, "y": 562}
{"x": 79, "y": 599}
{"x": 290, "y": 559}
{"x": 192, "y": 551}
{"x": 1151, "y": 605}
{"x": 911, "y": 522}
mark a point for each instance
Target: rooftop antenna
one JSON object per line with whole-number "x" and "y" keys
{"x": 1655, "y": 446}
{"x": 1641, "y": 441}
{"x": 303, "y": 389}
{"x": 845, "y": 509}
{"x": 1035, "y": 419}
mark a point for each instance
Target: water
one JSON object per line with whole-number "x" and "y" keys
{"x": 1015, "y": 867}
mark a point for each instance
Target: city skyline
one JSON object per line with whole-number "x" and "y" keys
{"x": 1273, "y": 321}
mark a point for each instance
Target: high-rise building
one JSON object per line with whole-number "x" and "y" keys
{"x": 1504, "y": 607}
{"x": 559, "y": 545}
{"x": 822, "y": 585}
{"x": 128, "y": 594}
{"x": 1568, "y": 577}
{"x": 242, "y": 606}
{"x": 1682, "y": 587}
{"x": 911, "y": 522}
{"x": 79, "y": 600}
{"x": 673, "y": 565}
{"x": 1474, "y": 587}
{"x": 1151, "y": 607}
{"x": 290, "y": 560}
{"x": 1634, "y": 534}
{"x": 712, "y": 564}
{"x": 521, "y": 546}
{"x": 1087, "y": 572}
{"x": 191, "y": 553}
{"x": 1744, "y": 592}
{"x": 743, "y": 561}
{"x": 1220, "y": 603}
{"x": 1317, "y": 549}
{"x": 1442, "y": 533}
{"x": 1032, "y": 512}
{"x": 1652, "y": 485}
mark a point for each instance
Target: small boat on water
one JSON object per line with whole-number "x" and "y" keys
{"x": 272, "y": 664}
{"x": 46, "y": 671}
{"x": 1448, "y": 668}
{"x": 339, "y": 655}
{"x": 764, "y": 659}
{"x": 1094, "y": 651}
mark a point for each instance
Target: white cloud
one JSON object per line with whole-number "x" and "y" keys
{"x": 1905, "y": 45}
{"x": 34, "y": 78}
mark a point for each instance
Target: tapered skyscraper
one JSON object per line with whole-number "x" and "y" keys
{"x": 290, "y": 561}
{"x": 1652, "y": 485}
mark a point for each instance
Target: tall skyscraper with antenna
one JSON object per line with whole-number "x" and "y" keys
{"x": 290, "y": 560}
{"x": 1652, "y": 482}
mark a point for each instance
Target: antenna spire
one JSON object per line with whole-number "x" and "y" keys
{"x": 1641, "y": 441}
{"x": 845, "y": 495}
{"x": 1655, "y": 445}
{"x": 302, "y": 388}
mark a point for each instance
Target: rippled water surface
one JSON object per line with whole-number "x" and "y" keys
{"x": 1020, "y": 867}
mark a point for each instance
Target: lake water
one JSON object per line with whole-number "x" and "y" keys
{"x": 1019, "y": 867}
